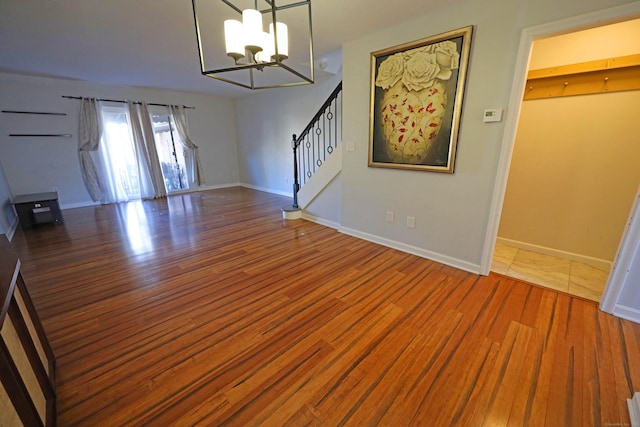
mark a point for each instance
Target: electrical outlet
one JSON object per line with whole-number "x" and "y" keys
{"x": 411, "y": 222}
{"x": 286, "y": 180}
{"x": 389, "y": 216}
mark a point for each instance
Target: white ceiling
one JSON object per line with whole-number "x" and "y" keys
{"x": 152, "y": 43}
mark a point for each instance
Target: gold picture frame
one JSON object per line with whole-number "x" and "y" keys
{"x": 417, "y": 90}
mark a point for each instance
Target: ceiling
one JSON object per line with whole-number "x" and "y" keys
{"x": 152, "y": 43}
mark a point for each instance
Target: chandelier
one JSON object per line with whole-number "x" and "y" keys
{"x": 266, "y": 44}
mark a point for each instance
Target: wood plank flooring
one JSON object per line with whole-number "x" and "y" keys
{"x": 207, "y": 309}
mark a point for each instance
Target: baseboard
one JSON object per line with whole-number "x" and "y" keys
{"x": 320, "y": 221}
{"x": 434, "y": 256}
{"x": 634, "y": 409}
{"x": 267, "y": 190}
{"x": 78, "y": 205}
{"x": 207, "y": 187}
{"x": 629, "y": 313}
{"x": 203, "y": 188}
{"x": 173, "y": 193}
{"x": 602, "y": 264}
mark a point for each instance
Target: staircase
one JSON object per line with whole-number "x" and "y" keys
{"x": 316, "y": 157}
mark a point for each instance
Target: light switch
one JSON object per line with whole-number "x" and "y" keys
{"x": 351, "y": 146}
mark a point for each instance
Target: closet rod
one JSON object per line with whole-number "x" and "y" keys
{"x": 124, "y": 102}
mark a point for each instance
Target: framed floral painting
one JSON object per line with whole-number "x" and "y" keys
{"x": 416, "y": 102}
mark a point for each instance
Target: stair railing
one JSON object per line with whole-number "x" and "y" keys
{"x": 317, "y": 141}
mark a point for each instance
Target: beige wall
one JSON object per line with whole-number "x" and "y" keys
{"x": 576, "y": 162}
{"x": 603, "y": 42}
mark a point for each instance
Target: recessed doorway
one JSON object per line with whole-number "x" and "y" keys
{"x": 574, "y": 172}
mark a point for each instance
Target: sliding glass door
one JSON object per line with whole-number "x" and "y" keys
{"x": 170, "y": 149}
{"x": 120, "y": 169}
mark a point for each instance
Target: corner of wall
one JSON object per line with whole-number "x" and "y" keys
{"x": 12, "y": 228}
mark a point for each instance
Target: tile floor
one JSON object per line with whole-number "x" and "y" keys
{"x": 556, "y": 273}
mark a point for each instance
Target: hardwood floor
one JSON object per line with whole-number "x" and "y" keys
{"x": 208, "y": 309}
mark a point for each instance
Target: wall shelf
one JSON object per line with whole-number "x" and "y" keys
{"x": 602, "y": 76}
{"x": 33, "y": 112}
{"x": 54, "y": 135}
{"x": 38, "y": 135}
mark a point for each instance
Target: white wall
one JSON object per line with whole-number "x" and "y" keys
{"x": 451, "y": 211}
{"x": 630, "y": 295}
{"x": 622, "y": 295}
{"x": 7, "y": 213}
{"x": 34, "y": 165}
{"x": 325, "y": 208}
{"x": 266, "y": 121}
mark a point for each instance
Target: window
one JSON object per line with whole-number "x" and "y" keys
{"x": 122, "y": 174}
{"x": 170, "y": 151}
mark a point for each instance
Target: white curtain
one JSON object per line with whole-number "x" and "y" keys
{"x": 191, "y": 156}
{"x": 149, "y": 170}
{"x": 89, "y": 135}
{"x": 117, "y": 157}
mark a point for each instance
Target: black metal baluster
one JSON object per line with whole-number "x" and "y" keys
{"x": 296, "y": 185}
{"x": 318, "y": 162}
{"x": 316, "y": 142}
{"x": 330, "y": 127}
{"x": 309, "y": 146}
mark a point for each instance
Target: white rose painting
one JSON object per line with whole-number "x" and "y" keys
{"x": 416, "y": 102}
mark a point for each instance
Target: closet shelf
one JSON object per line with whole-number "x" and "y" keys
{"x": 606, "y": 75}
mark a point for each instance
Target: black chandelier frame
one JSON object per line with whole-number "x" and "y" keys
{"x": 253, "y": 66}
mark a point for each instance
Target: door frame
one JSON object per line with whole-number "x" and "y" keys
{"x": 620, "y": 277}
{"x": 631, "y": 237}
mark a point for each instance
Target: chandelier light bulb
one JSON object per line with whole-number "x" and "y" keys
{"x": 234, "y": 40}
{"x": 257, "y": 40}
{"x": 252, "y": 24}
{"x": 266, "y": 45}
{"x": 282, "y": 40}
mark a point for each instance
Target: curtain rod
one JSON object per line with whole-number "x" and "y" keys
{"x": 124, "y": 102}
